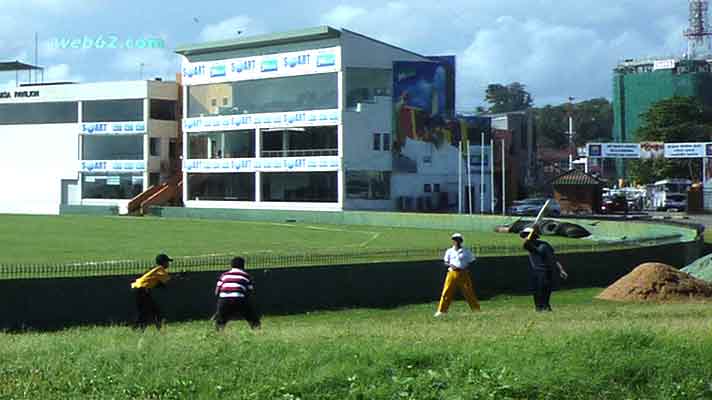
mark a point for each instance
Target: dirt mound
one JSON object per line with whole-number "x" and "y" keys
{"x": 658, "y": 283}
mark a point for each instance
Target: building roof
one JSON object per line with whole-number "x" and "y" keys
{"x": 301, "y": 35}
{"x": 578, "y": 178}
{"x": 17, "y": 66}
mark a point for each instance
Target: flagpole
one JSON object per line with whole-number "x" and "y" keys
{"x": 491, "y": 176}
{"x": 459, "y": 178}
{"x": 469, "y": 179}
{"x": 504, "y": 180}
{"x": 482, "y": 172}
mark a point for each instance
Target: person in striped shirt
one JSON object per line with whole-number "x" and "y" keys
{"x": 234, "y": 290}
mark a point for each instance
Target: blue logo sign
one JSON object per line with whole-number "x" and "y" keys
{"x": 270, "y": 65}
{"x": 95, "y": 128}
{"x": 218, "y": 71}
{"x": 194, "y": 70}
{"x": 240, "y": 66}
{"x": 326, "y": 60}
{"x": 294, "y": 61}
{"x": 595, "y": 150}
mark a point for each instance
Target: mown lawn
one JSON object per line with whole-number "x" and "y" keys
{"x": 48, "y": 239}
{"x": 586, "y": 349}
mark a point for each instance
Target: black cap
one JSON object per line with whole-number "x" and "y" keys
{"x": 162, "y": 259}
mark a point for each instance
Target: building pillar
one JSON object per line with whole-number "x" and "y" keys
{"x": 258, "y": 174}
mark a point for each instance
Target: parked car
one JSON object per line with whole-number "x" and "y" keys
{"x": 532, "y": 207}
{"x": 614, "y": 204}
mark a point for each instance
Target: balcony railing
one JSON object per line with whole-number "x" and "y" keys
{"x": 300, "y": 153}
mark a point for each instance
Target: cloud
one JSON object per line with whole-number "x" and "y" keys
{"x": 152, "y": 63}
{"x": 61, "y": 73}
{"x": 229, "y": 28}
{"x": 342, "y": 15}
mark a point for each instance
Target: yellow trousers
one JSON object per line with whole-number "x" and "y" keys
{"x": 458, "y": 279}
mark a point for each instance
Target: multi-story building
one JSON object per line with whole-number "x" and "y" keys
{"x": 308, "y": 120}
{"x": 85, "y": 144}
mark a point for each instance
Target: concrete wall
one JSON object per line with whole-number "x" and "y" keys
{"x": 105, "y": 300}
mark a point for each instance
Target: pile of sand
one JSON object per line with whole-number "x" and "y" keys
{"x": 658, "y": 283}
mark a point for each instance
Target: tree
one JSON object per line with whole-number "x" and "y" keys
{"x": 674, "y": 120}
{"x": 512, "y": 97}
{"x": 593, "y": 122}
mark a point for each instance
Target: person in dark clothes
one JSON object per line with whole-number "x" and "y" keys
{"x": 234, "y": 290}
{"x": 148, "y": 310}
{"x": 542, "y": 267}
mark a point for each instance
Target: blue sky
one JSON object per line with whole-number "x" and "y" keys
{"x": 558, "y": 48}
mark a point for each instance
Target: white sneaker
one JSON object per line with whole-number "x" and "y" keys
{"x": 438, "y": 314}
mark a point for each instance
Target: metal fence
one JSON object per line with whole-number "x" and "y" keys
{"x": 262, "y": 260}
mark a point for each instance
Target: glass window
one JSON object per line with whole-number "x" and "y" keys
{"x": 428, "y": 188}
{"x": 164, "y": 110}
{"x": 128, "y": 147}
{"x": 222, "y": 187}
{"x": 376, "y": 141}
{"x": 39, "y": 113}
{"x": 111, "y": 186}
{"x": 386, "y": 142}
{"x": 312, "y": 187}
{"x": 300, "y": 142}
{"x": 368, "y": 185}
{"x": 228, "y": 144}
{"x": 112, "y": 110}
{"x": 154, "y": 146}
{"x": 364, "y": 84}
{"x": 436, "y": 188}
{"x": 296, "y": 93}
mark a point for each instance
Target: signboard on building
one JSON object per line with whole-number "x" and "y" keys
{"x": 688, "y": 150}
{"x": 112, "y": 166}
{"x": 306, "y": 62}
{"x": 614, "y": 150}
{"x": 265, "y": 120}
{"x": 664, "y": 64}
{"x": 286, "y": 164}
{"x": 113, "y": 128}
{"x": 476, "y": 158}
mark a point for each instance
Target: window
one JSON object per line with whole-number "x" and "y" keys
{"x": 311, "y": 187}
{"x": 436, "y": 188}
{"x": 154, "y": 147}
{"x": 228, "y": 144}
{"x": 225, "y": 101}
{"x": 214, "y": 102}
{"x": 111, "y": 186}
{"x": 364, "y": 84}
{"x": 119, "y": 147}
{"x": 368, "y": 185}
{"x": 39, "y": 113}
{"x": 386, "y": 142}
{"x": 222, "y": 187}
{"x": 296, "y": 93}
{"x": 428, "y": 188}
{"x": 376, "y": 141}
{"x": 300, "y": 142}
{"x": 164, "y": 110}
{"x": 112, "y": 110}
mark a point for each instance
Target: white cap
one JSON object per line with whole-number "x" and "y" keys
{"x": 457, "y": 236}
{"x": 528, "y": 230}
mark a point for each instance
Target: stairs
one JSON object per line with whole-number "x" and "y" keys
{"x": 169, "y": 191}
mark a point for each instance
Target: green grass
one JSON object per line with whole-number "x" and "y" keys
{"x": 586, "y": 349}
{"x": 46, "y": 239}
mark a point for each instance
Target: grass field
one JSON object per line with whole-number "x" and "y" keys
{"x": 46, "y": 239}
{"x": 586, "y": 349}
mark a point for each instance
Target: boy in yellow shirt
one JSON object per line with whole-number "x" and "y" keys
{"x": 148, "y": 310}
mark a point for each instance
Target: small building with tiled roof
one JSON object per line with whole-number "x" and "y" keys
{"x": 578, "y": 192}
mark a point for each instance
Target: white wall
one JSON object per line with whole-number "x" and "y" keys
{"x": 359, "y": 127}
{"x": 33, "y": 161}
{"x": 361, "y": 52}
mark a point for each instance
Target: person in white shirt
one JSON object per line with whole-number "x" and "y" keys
{"x": 457, "y": 259}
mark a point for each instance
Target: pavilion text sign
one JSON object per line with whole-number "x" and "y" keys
{"x": 688, "y": 150}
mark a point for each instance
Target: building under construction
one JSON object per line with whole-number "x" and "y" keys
{"x": 639, "y": 83}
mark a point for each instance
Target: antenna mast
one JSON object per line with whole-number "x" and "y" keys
{"x": 698, "y": 33}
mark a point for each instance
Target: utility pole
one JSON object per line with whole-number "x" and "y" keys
{"x": 571, "y": 133}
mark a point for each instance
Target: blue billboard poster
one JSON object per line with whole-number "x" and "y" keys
{"x": 420, "y": 85}
{"x": 448, "y": 62}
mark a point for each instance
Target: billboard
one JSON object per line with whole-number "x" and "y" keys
{"x": 423, "y": 98}
{"x": 688, "y": 150}
{"x": 614, "y": 150}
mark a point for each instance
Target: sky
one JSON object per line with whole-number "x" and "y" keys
{"x": 557, "y": 48}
